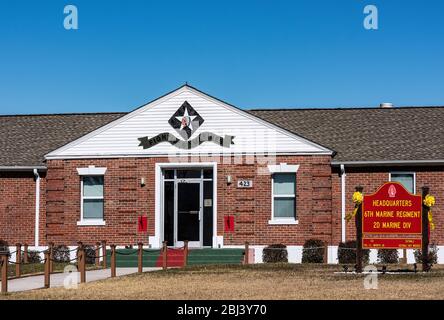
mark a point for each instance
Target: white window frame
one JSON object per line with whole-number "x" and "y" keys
{"x": 90, "y": 172}
{"x": 286, "y": 169}
{"x": 405, "y": 172}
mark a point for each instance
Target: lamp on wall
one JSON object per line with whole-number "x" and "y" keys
{"x": 228, "y": 179}
{"x": 142, "y": 181}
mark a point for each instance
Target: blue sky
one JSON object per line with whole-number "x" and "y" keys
{"x": 253, "y": 54}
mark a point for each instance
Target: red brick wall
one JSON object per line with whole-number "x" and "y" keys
{"x": 17, "y": 207}
{"x": 125, "y": 200}
{"x": 372, "y": 178}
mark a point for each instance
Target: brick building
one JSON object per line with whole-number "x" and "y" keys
{"x": 188, "y": 166}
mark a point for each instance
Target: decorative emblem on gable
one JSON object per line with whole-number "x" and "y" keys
{"x": 186, "y": 120}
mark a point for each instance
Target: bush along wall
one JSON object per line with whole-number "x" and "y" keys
{"x": 275, "y": 253}
{"x": 387, "y": 256}
{"x": 433, "y": 255}
{"x": 313, "y": 251}
{"x": 347, "y": 253}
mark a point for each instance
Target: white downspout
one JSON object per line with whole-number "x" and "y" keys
{"x": 37, "y": 207}
{"x": 343, "y": 224}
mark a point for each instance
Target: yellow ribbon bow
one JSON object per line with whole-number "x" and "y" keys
{"x": 357, "y": 200}
{"x": 429, "y": 201}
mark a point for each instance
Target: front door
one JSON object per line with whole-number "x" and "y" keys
{"x": 188, "y": 214}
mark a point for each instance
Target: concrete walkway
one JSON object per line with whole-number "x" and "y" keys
{"x": 58, "y": 279}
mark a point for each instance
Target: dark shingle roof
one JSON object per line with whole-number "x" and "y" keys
{"x": 25, "y": 139}
{"x": 365, "y": 134}
{"x": 368, "y": 134}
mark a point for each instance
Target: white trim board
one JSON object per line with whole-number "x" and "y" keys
{"x": 119, "y": 138}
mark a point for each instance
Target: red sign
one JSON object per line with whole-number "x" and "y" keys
{"x": 229, "y": 224}
{"x": 142, "y": 224}
{"x": 392, "y": 210}
{"x": 391, "y": 243}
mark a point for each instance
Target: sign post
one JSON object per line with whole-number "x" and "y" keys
{"x": 358, "y": 223}
{"x": 425, "y": 231}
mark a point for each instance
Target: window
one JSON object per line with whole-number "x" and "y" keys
{"x": 407, "y": 179}
{"x": 284, "y": 197}
{"x": 92, "y": 199}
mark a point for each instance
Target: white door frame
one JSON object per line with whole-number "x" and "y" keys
{"x": 156, "y": 240}
{"x": 192, "y": 244}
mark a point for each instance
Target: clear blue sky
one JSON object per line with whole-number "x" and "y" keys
{"x": 253, "y": 54}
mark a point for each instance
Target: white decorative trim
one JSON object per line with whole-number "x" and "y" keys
{"x": 283, "y": 221}
{"x": 91, "y": 222}
{"x": 91, "y": 171}
{"x": 283, "y": 168}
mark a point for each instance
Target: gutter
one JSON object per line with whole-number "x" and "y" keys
{"x": 343, "y": 225}
{"x": 37, "y": 207}
{"x": 22, "y": 168}
{"x": 387, "y": 162}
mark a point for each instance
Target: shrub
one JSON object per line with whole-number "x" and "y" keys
{"x": 433, "y": 255}
{"x": 90, "y": 254}
{"x": 61, "y": 254}
{"x": 313, "y": 251}
{"x": 346, "y": 254}
{"x": 387, "y": 256}
{"x": 33, "y": 257}
{"x": 275, "y": 253}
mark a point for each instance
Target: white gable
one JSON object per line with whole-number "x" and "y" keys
{"x": 251, "y": 135}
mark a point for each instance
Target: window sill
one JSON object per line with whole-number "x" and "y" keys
{"x": 283, "y": 221}
{"x": 91, "y": 223}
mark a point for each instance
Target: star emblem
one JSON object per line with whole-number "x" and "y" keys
{"x": 186, "y": 120}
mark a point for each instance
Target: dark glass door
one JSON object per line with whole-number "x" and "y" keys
{"x": 188, "y": 211}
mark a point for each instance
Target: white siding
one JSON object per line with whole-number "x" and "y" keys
{"x": 251, "y": 135}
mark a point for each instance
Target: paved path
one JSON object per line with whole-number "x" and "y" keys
{"x": 58, "y": 279}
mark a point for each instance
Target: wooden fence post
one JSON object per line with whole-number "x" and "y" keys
{"x": 113, "y": 260}
{"x": 47, "y": 268}
{"x": 97, "y": 254}
{"x": 25, "y": 253}
{"x": 425, "y": 231}
{"x": 18, "y": 260}
{"x": 185, "y": 253}
{"x": 104, "y": 253}
{"x": 164, "y": 255}
{"x": 247, "y": 253}
{"x": 81, "y": 262}
{"x": 4, "y": 265}
{"x": 358, "y": 223}
{"x": 140, "y": 257}
{"x": 51, "y": 256}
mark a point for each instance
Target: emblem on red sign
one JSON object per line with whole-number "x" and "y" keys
{"x": 142, "y": 224}
{"x": 392, "y": 210}
{"x": 229, "y": 224}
